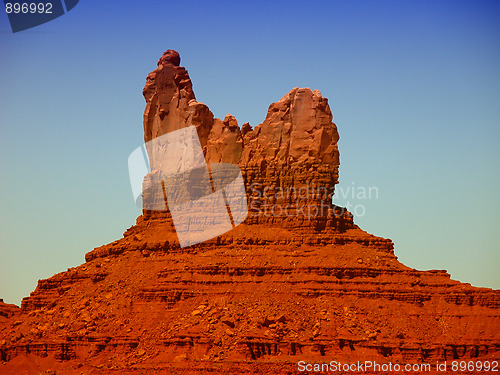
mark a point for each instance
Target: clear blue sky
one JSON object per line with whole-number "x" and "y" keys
{"x": 414, "y": 87}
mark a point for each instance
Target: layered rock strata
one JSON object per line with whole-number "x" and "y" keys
{"x": 7, "y": 309}
{"x": 289, "y": 162}
{"x": 286, "y": 285}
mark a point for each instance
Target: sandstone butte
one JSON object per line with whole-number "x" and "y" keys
{"x": 256, "y": 300}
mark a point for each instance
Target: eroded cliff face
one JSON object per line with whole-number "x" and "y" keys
{"x": 7, "y": 309}
{"x": 303, "y": 283}
{"x": 290, "y": 162}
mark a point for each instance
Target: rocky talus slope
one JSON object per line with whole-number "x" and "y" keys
{"x": 298, "y": 280}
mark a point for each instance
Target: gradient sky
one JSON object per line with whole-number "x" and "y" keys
{"x": 414, "y": 88}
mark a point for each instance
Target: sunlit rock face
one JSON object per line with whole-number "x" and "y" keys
{"x": 289, "y": 162}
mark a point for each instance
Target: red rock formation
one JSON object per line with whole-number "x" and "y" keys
{"x": 7, "y": 310}
{"x": 290, "y": 162}
{"x": 294, "y": 285}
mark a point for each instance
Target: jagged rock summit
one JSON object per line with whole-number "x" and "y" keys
{"x": 297, "y": 280}
{"x": 293, "y": 151}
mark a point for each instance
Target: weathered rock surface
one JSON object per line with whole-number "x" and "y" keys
{"x": 298, "y": 280}
{"x": 7, "y": 309}
{"x": 290, "y": 161}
